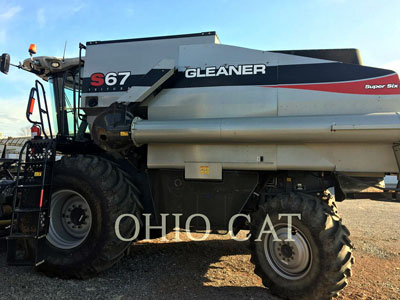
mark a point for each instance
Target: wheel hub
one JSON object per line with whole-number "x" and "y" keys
{"x": 70, "y": 219}
{"x": 290, "y": 259}
{"x": 286, "y": 250}
{"x": 78, "y": 216}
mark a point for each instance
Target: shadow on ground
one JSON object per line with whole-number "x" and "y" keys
{"x": 173, "y": 270}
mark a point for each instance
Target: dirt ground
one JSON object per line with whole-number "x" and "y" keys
{"x": 375, "y": 231}
{"x": 220, "y": 268}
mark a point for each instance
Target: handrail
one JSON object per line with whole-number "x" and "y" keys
{"x": 37, "y": 90}
{"x": 81, "y": 46}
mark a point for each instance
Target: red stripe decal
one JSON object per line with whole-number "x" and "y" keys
{"x": 41, "y": 199}
{"x": 387, "y": 85}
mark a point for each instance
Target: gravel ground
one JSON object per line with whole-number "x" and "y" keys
{"x": 220, "y": 268}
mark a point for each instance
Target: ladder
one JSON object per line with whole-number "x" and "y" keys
{"x": 32, "y": 195}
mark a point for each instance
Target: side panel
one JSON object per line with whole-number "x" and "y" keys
{"x": 297, "y": 102}
{"x": 218, "y": 200}
{"x": 213, "y": 102}
{"x": 341, "y": 157}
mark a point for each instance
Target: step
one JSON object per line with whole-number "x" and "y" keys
{"x": 36, "y": 162}
{"x": 15, "y": 236}
{"x": 29, "y": 210}
{"x": 24, "y": 262}
{"x": 20, "y": 263}
{"x": 38, "y": 259}
{"x": 39, "y": 263}
{"x": 27, "y": 186}
{"x": 8, "y": 160}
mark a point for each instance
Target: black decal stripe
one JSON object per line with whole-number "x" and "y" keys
{"x": 152, "y": 77}
{"x": 327, "y": 72}
{"x": 275, "y": 75}
{"x": 180, "y": 81}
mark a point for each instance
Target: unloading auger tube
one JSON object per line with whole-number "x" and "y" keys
{"x": 382, "y": 127}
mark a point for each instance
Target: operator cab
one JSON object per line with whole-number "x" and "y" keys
{"x": 63, "y": 74}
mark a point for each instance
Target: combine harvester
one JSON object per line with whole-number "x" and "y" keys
{"x": 186, "y": 125}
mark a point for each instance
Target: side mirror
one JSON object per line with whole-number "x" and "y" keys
{"x": 5, "y": 63}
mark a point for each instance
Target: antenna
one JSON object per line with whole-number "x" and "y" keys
{"x": 65, "y": 47}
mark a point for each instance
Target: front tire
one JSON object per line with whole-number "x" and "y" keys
{"x": 89, "y": 194}
{"x": 316, "y": 264}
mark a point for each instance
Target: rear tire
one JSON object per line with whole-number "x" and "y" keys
{"x": 108, "y": 193}
{"x": 317, "y": 265}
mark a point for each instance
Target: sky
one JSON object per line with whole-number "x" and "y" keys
{"x": 371, "y": 26}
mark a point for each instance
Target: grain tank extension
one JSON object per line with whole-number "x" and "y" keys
{"x": 185, "y": 125}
